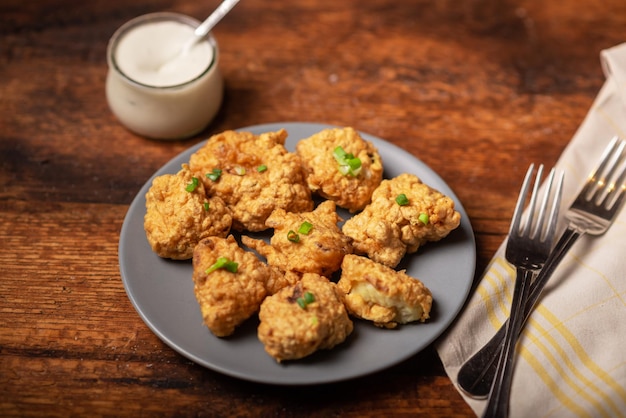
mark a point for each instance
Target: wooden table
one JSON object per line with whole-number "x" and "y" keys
{"x": 477, "y": 90}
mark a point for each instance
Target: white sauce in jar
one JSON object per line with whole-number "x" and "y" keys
{"x": 153, "y": 89}
{"x": 151, "y": 54}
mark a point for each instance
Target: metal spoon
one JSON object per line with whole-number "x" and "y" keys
{"x": 200, "y": 32}
{"x": 210, "y": 22}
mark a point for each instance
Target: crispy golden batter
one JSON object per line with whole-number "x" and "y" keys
{"x": 291, "y": 328}
{"x": 177, "y": 219}
{"x": 380, "y": 294}
{"x": 320, "y": 250}
{"x": 252, "y": 193}
{"x": 322, "y": 169}
{"x": 228, "y": 298}
{"x": 386, "y": 230}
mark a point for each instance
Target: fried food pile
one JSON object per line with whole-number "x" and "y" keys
{"x": 310, "y": 276}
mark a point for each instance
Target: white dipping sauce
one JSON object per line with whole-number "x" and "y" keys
{"x": 153, "y": 88}
{"x": 151, "y": 54}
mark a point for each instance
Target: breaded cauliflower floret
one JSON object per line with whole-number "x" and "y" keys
{"x": 253, "y": 175}
{"x": 227, "y": 298}
{"x": 387, "y": 230}
{"x": 380, "y": 294}
{"x": 306, "y": 242}
{"x": 323, "y": 176}
{"x": 179, "y": 214}
{"x": 303, "y": 318}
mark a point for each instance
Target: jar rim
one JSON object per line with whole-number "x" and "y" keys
{"x": 158, "y": 17}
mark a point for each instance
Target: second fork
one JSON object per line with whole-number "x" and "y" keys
{"x": 528, "y": 247}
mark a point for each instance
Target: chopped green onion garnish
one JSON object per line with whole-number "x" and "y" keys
{"x": 239, "y": 170}
{"x": 206, "y": 206}
{"x": 305, "y": 300}
{"x": 261, "y": 168}
{"x": 192, "y": 186}
{"x": 232, "y": 266}
{"x": 340, "y": 154}
{"x": 344, "y": 169}
{"x": 309, "y": 298}
{"x": 348, "y": 163}
{"x": 354, "y": 163}
{"x": 215, "y": 174}
{"x": 423, "y": 218}
{"x": 293, "y": 236}
{"x": 223, "y": 263}
{"x": 355, "y": 166}
{"x": 402, "y": 200}
{"x": 305, "y": 228}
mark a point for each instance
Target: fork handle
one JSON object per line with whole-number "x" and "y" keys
{"x": 476, "y": 376}
{"x": 498, "y": 405}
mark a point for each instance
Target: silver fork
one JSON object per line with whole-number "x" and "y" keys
{"x": 592, "y": 213}
{"x": 528, "y": 247}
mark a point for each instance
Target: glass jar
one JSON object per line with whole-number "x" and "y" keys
{"x": 154, "y": 89}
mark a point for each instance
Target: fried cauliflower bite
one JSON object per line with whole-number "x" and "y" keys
{"x": 303, "y": 318}
{"x": 257, "y": 176}
{"x": 294, "y": 250}
{"x": 387, "y": 230}
{"x": 380, "y": 294}
{"x": 227, "y": 298}
{"x": 179, "y": 214}
{"x": 322, "y": 169}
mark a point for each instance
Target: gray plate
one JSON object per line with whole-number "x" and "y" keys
{"x": 162, "y": 292}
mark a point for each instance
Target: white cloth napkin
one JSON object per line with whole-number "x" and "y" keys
{"x": 572, "y": 358}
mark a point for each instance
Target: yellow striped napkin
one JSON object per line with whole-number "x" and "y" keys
{"x": 572, "y": 358}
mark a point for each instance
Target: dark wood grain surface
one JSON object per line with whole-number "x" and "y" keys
{"x": 476, "y": 89}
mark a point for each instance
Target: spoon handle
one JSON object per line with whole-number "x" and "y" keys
{"x": 205, "y": 27}
{"x": 217, "y": 15}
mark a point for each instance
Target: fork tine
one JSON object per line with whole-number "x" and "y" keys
{"x": 621, "y": 189}
{"x": 604, "y": 184}
{"x": 519, "y": 207}
{"x": 617, "y": 189}
{"x": 554, "y": 213}
{"x": 538, "y": 228}
{"x": 591, "y": 185}
{"x": 526, "y": 229}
